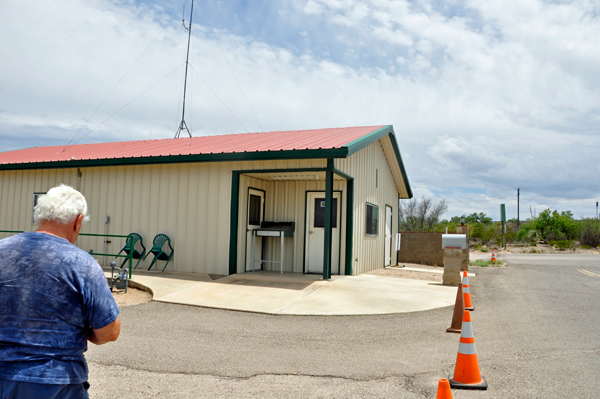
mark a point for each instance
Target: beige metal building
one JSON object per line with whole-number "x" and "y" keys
{"x": 225, "y": 200}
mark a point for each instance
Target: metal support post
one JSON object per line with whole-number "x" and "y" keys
{"x": 328, "y": 227}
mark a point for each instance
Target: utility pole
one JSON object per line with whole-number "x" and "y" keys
{"x": 518, "y": 199}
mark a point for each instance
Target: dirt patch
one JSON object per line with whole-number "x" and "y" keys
{"x": 134, "y": 296}
{"x": 411, "y": 274}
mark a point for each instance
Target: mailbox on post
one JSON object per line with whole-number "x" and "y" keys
{"x": 454, "y": 241}
{"x": 453, "y": 246}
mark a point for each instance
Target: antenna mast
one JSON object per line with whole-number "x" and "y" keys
{"x": 183, "y": 125}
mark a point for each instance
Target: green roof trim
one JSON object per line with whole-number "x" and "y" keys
{"x": 370, "y": 138}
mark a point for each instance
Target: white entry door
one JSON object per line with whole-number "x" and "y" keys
{"x": 388, "y": 235}
{"x": 315, "y": 232}
{"x": 256, "y": 202}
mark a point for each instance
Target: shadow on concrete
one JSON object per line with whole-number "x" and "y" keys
{"x": 267, "y": 279}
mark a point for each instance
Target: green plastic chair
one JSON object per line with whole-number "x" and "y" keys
{"x": 130, "y": 242}
{"x": 157, "y": 250}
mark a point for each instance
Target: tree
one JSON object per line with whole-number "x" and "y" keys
{"x": 421, "y": 215}
{"x": 478, "y": 218}
{"x": 590, "y": 232}
{"x": 556, "y": 226}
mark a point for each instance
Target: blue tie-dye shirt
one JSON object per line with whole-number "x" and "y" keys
{"x": 50, "y": 292}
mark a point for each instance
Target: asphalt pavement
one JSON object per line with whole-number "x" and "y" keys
{"x": 536, "y": 325}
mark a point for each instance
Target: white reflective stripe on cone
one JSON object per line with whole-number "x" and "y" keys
{"x": 466, "y": 349}
{"x": 466, "y": 290}
{"x": 467, "y": 330}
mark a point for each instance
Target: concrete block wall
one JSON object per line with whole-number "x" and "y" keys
{"x": 464, "y": 229}
{"x": 423, "y": 247}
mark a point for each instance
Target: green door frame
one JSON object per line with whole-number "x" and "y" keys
{"x": 329, "y": 171}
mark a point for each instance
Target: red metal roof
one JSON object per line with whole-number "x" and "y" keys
{"x": 331, "y": 138}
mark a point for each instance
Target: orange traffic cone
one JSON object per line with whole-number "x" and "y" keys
{"x": 493, "y": 256}
{"x": 466, "y": 371}
{"x": 459, "y": 311}
{"x": 467, "y": 292}
{"x": 444, "y": 391}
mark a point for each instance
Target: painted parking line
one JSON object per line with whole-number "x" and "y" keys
{"x": 588, "y": 273}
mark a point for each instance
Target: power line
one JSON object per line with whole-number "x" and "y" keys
{"x": 219, "y": 98}
{"x": 230, "y": 68}
{"x": 115, "y": 86}
{"x": 124, "y": 106}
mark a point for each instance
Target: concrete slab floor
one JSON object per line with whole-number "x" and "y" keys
{"x": 296, "y": 293}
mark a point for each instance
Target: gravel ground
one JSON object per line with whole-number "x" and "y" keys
{"x": 411, "y": 274}
{"x": 538, "y": 249}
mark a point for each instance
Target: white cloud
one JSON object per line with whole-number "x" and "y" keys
{"x": 484, "y": 100}
{"x": 313, "y": 7}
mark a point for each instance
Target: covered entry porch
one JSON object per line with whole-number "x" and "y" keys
{"x": 318, "y": 201}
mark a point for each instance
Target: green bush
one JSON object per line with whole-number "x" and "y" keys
{"x": 548, "y": 226}
{"x": 530, "y": 236}
{"x": 590, "y": 233}
{"x": 511, "y": 232}
{"x": 527, "y": 234}
{"x": 561, "y": 244}
{"x": 554, "y": 226}
{"x": 485, "y": 233}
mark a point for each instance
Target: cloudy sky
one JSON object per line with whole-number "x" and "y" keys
{"x": 485, "y": 96}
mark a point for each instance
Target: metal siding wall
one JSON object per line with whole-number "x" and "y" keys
{"x": 362, "y": 166}
{"x": 285, "y": 201}
{"x": 16, "y": 194}
{"x": 188, "y": 202}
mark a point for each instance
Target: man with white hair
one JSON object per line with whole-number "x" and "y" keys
{"x": 54, "y": 298}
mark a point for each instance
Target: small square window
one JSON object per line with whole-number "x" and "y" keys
{"x": 372, "y": 220}
{"x": 320, "y": 213}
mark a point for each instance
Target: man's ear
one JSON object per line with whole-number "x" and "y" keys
{"x": 78, "y": 223}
